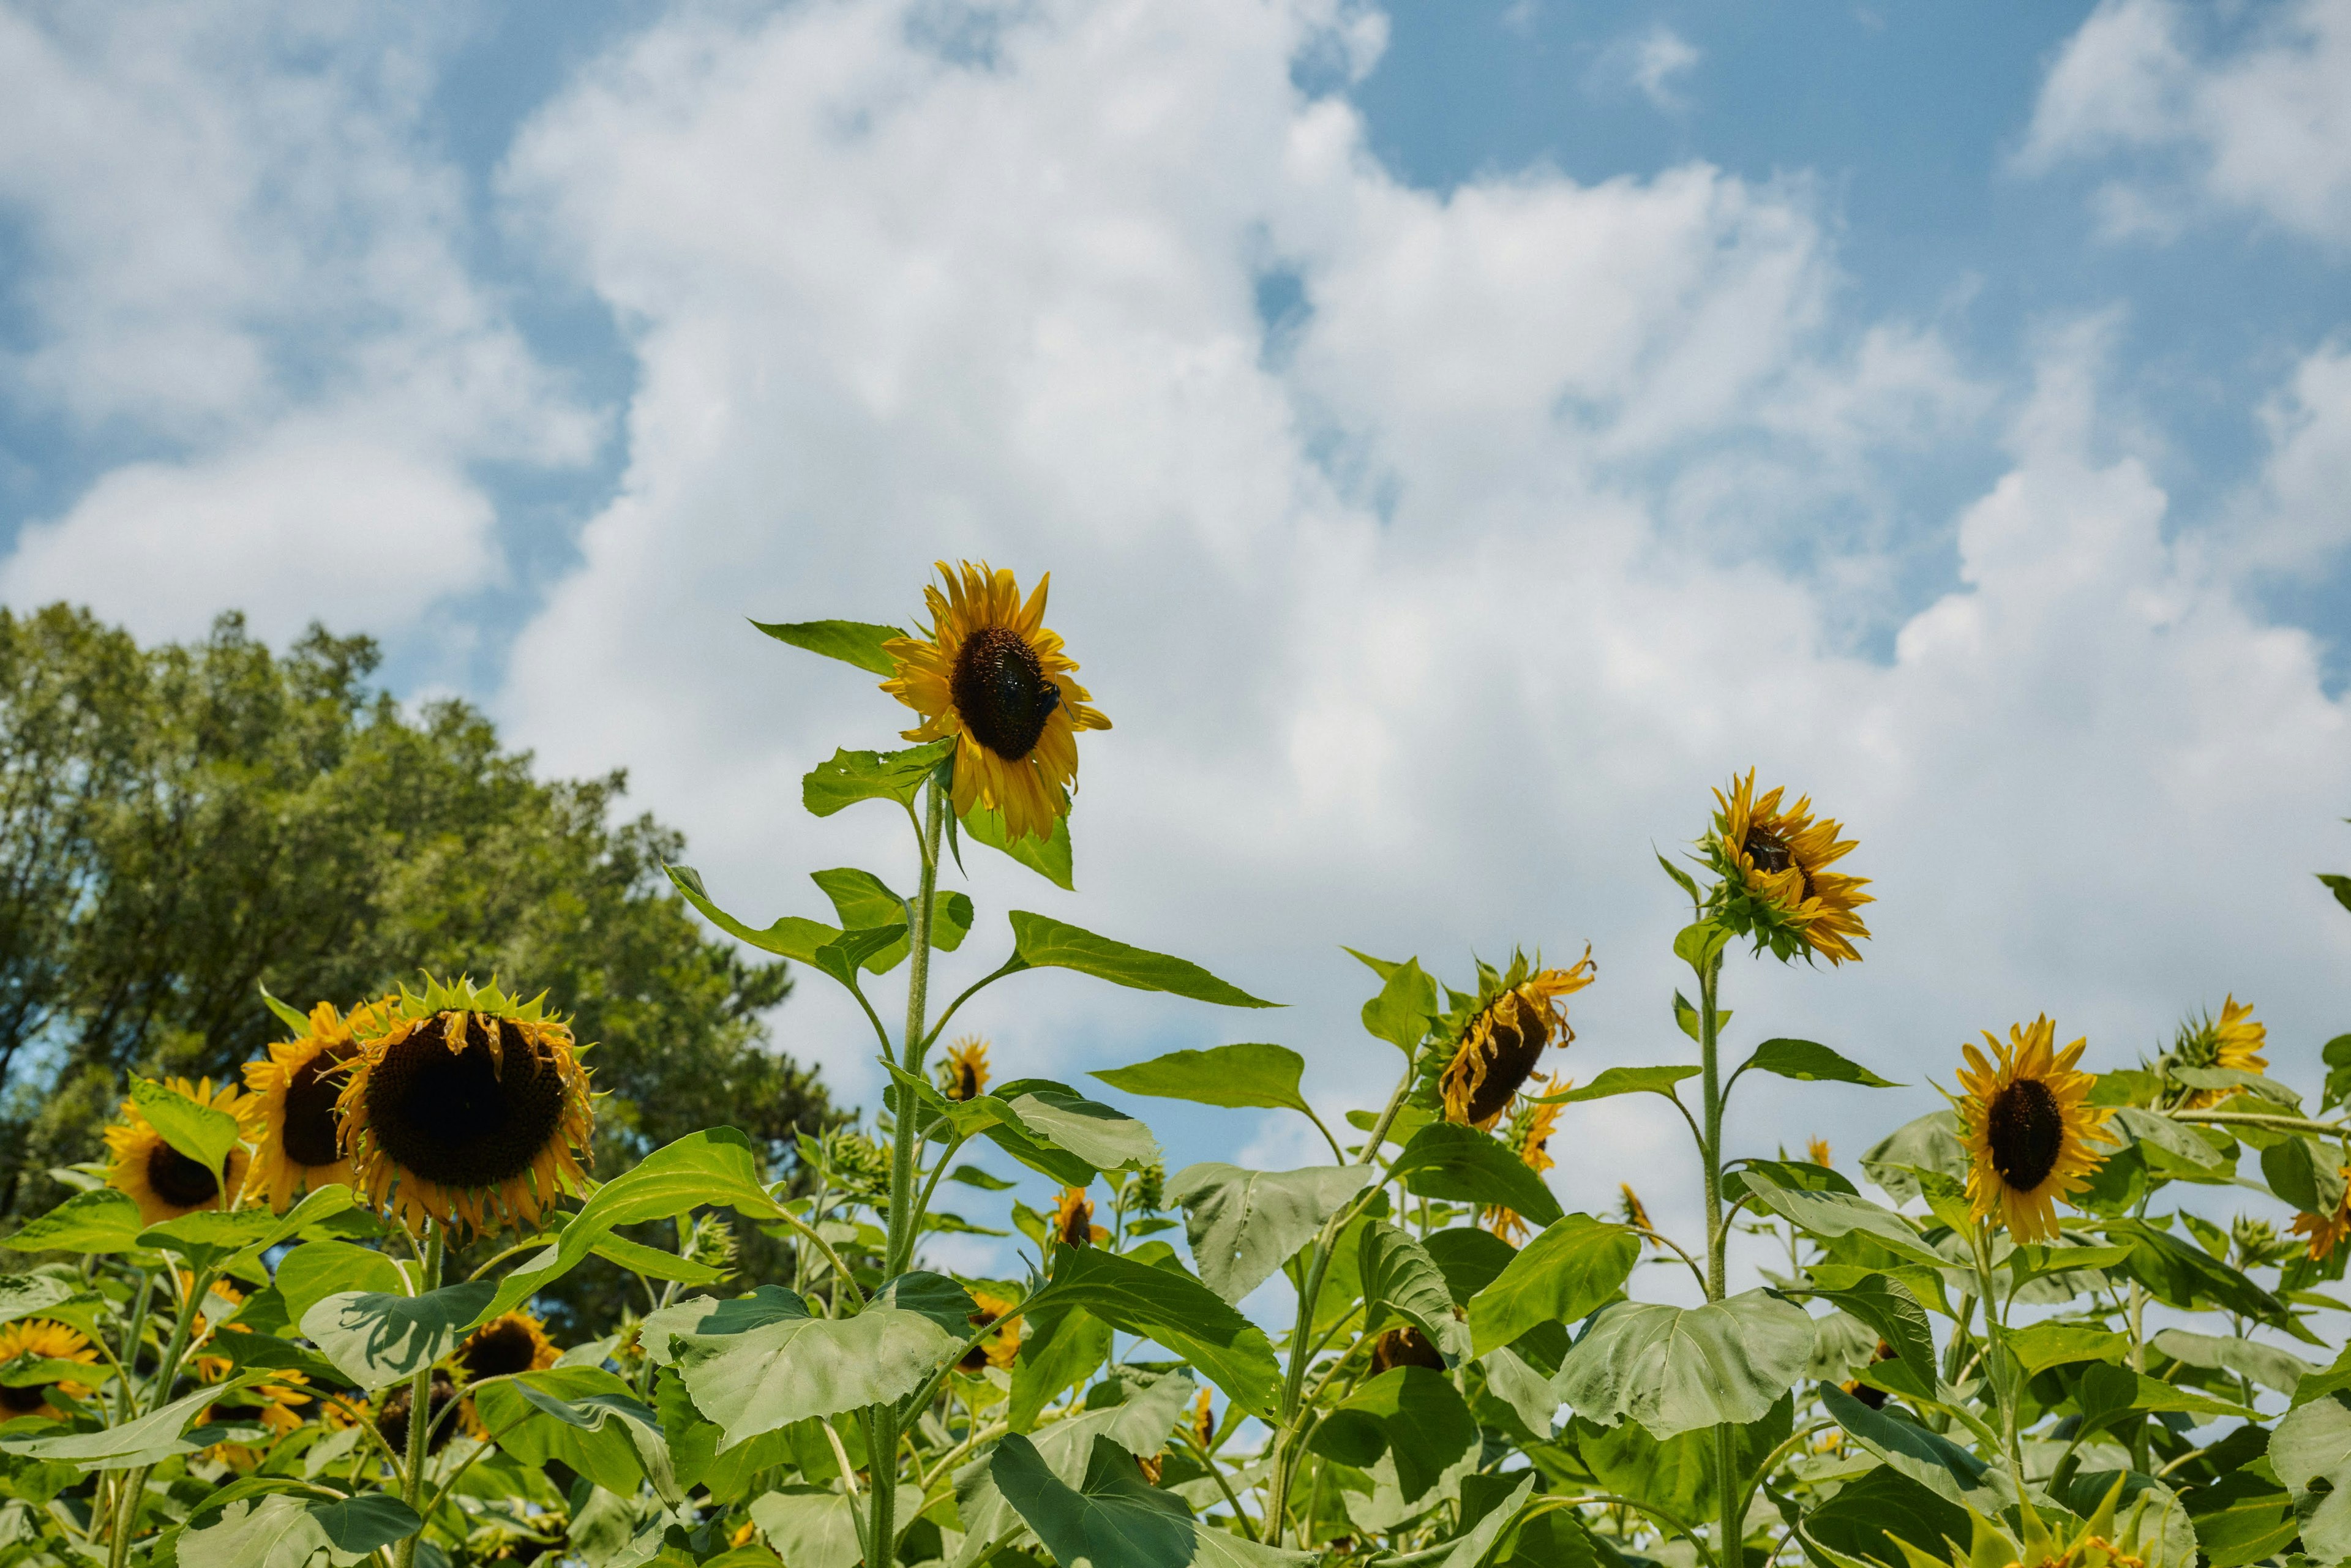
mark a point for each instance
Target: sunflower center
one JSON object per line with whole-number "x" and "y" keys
{"x": 1001, "y": 693}
{"x": 500, "y": 1350}
{"x": 391, "y": 1422}
{"x": 1769, "y": 851}
{"x": 179, "y": 1180}
{"x": 967, "y": 1082}
{"x": 1518, "y": 1032}
{"x": 470, "y": 1118}
{"x": 2026, "y": 1129}
{"x": 23, "y": 1401}
{"x": 313, "y": 1133}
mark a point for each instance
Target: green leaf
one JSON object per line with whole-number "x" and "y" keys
{"x": 1932, "y": 1460}
{"x": 857, "y": 643}
{"x": 1411, "y": 1414}
{"x": 1049, "y": 858}
{"x": 589, "y": 1420}
{"x": 2230, "y": 1078}
{"x": 1576, "y": 1267}
{"x": 1177, "y": 1311}
{"x": 204, "y": 1238}
{"x": 103, "y": 1221}
{"x": 23, "y": 1295}
{"x": 1106, "y": 1139}
{"x": 809, "y": 1527}
{"x": 2044, "y": 1345}
{"x": 1063, "y": 1348}
{"x": 1241, "y": 1223}
{"x": 2181, "y": 1142}
{"x": 1462, "y": 1163}
{"x": 1041, "y": 942}
{"x": 2263, "y": 1363}
{"x": 2312, "y": 1443}
{"x": 1884, "y": 1503}
{"x": 1678, "y": 1474}
{"x": 1618, "y": 1080}
{"x": 1470, "y": 1547}
{"x": 655, "y": 1264}
{"x": 1804, "y": 1059}
{"x": 1396, "y": 1275}
{"x": 2337, "y": 1054}
{"x": 2303, "y": 1174}
{"x": 1240, "y": 1077}
{"x": 781, "y": 1370}
{"x": 2182, "y": 1276}
{"x": 864, "y": 901}
{"x": 1701, "y": 944}
{"x": 2242, "y": 1518}
{"x": 972, "y": 1176}
{"x": 283, "y": 1530}
{"x": 1139, "y": 1423}
{"x": 146, "y": 1440}
{"x": 1930, "y": 1143}
{"x": 1674, "y": 1369}
{"x": 1835, "y": 1213}
{"x": 1889, "y": 1307}
{"x": 376, "y": 1339}
{"x": 854, "y": 775}
{"x": 1400, "y": 1014}
{"x": 203, "y": 1135}
{"x": 1470, "y": 1257}
{"x": 1114, "y": 1519}
{"x": 269, "y": 1352}
{"x": 2107, "y": 1393}
{"x": 1682, "y": 879}
{"x": 317, "y": 1269}
{"x": 790, "y": 937}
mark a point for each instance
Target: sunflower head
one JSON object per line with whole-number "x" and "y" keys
{"x": 1871, "y": 1396}
{"x": 28, "y": 1340}
{"x": 507, "y": 1345}
{"x": 964, "y": 1074}
{"x": 469, "y": 1108}
{"x": 2233, "y": 1041}
{"x": 1775, "y": 886}
{"x": 1404, "y": 1346}
{"x": 392, "y": 1414}
{"x": 1501, "y": 1034}
{"x": 2028, "y": 1128}
{"x": 998, "y": 1349}
{"x": 1530, "y": 1135}
{"x": 1073, "y": 1220}
{"x": 994, "y": 677}
{"x": 1634, "y": 1212}
{"x": 164, "y": 1182}
{"x": 295, "y": 1090}
{"x": 1204, "y": 1419}
{"x": 1816, "y": 1149}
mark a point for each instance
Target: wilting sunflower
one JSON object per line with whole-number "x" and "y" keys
{"x": 1776, "y": 885}
{"x": 991, "y": 675}
{"x": 998, "y": 1349}
{"x": 1404, "y": 1346}
{"x": 1816, "y": 1149}
{"x": 469, "y": 1108}
{"x": 392, "y": 1415}
{"x": 164, "y": 1182}
{"x": 502, "y": 1347}
{"x": 964, "y": 1074}
{"x": 2233, "y": 1041}
{"x": 1073, "y": 1220}
{"x": 38, "y": 1339}
{"x": 1530, "y": 1132}
{"x": 2028, "y": 1129}
{"x": 295, "y": 1090}
{"x": 2326, "y": 1232}
{"x": 1515, "y": 1017}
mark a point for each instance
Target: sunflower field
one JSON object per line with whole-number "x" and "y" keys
{"x": 289, "y": 1320}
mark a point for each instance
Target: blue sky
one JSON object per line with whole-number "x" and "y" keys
{"x": 1461, "y": 434}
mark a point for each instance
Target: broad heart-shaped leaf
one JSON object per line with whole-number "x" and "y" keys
{"x": 2313, "y": 1442}
{"x": 711, "y": 1167}
{"x": 104, "y": 1220}
{"x": 1834, "y": 1214}
{"x": 1811, "y": 1063}
{"x": 1115, "y": 1519}
{"x": 1411, "y": 1414}
{"x": 857, "y": 643}
{"x": 1040, "y": 942}
{"x": 1677, "y": 1475}
{"x": 1064, "y": 1345}
{"x": 1930, "y": 1142}
{"x": 1618, "y": 1080}
{"x": 208, "y": 1238}
{"x": 789, "y": 1368}
{"x": 375, "y": 1339}
{"x": 1470, "y": 1547}
{"x": 2180, "y": 1142}
{"x": 586, "y": 1417}
{"x": 854, "y": 775}
{"x": 1673, "y": 1369}
{"x": 864, "y": 901}
{"x": 1563, "y": 1276}
{"x": 1398, "y": 1277}
{"x": 2242, "y": 1518}
{"x": 809, "y": 1527}
{"x": 1470, "y": 1257}
{"x": 312, "y": 1273}
{"x": 1242, "y": 1224}
{"x": 1237, "y": 1076}
{"x": 1445, "y": 1160}
{"x": 1178, "y": 1311}
{"x": 2264, "y": 1364}
{"x": 147, "y": 1440}
{"x": 1400, "y": 1014}
{"x": 284, "y": 1530}
{"x": 2044, "y": 1345}
{"x": 2303, "y": 1174}
{"x": 1934, "y": 1461}
{"x": 1104, "y": 1138}
{"x": 789, "y": 938}
{"x": 2188, "y": 1277}
{"x": 1049, "y": 858}
{"x": 1139, "y": 1424}
{"x": 22, "y": 1295}
{"x": 203, "y": 1135}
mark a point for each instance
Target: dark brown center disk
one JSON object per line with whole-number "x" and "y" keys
{"x": 179, "y": 1180}
{"x": 976, "y": 1357}
{"x": 392, "y": 1420}
{"x": 1077, "y": 1228}
{"x": 23, "y": 1401}
{"x": 1000, "y": 691}
{"x": 967, "y": 1084}
{"x": 1406, "y": 1346}
{"x": 2025, "y": 1129}
{"x": 500, "y": 1350}
{"x": 468, "y": 1118}
{"x": 1519, "y": 1033}
{"x": 1769, "y": 851}
{"x": 313, "y": 1131}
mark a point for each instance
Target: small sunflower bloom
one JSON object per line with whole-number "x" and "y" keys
{"x": 991, "y": 674}
{"x": 1816, "y": 1149}
{"x": 1072, "y": 1222}
{"x": 2028, "y": 1128}
{"x": 964, "y": 1074}
{"x": 295, "y": 1090}
{"x": 503, "y": 1347}
{"x": 1204, "y": 1420}
{"x": 2235, "y": 1040}
{"x": 2325, "y": 1231}
{"x": 1504, "y": 1040}
{"x": 1530, "y": 1136}
{"x": 1634, "y": 1212}
{"x": 164, "y": 1183}
{"x": 392, "y": 1414}
{"x": 38, "y": 1339}
{"x": 998, "y": 1349}
{"x": 1776, "y": 885}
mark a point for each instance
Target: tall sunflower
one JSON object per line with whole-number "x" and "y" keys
{"x": 1776, "y": 885}
{"x": 34, "y": 1340}
{"x": 1503, "y": 1035}
{"x": 295, "y": 1090}
{"x": 1530, "y": 1132}
{"x": 164, "y": 1182}
{"x": 993, "y": 676}
{"x": 1073, "y": 1220}
{"x": 514, "y": 1343}
{"x": 470, "y": 1108}
{"x": 2233, "y": 1041}
{"x": 2028, "y": 1128}
{"x": 964, "y": 1074}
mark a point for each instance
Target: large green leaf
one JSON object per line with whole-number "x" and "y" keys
{"x": 2264, "y": 1364}
{"x": 1885, "y": 1503}
{"x": 22, "y": 1295}
{"x": 589, "y": 1420}
{"x": 312, "y": 1273}
{"x": 197, "y": 1130}
{"x": 1445, "y": 1160}
{"x": 1105, "y": 1138}
{"x": 146, "y": 1440}
{"x": 1177, "y": 1311}
{"x": 376, "y": 1339}
{"x": 854, "y": 775}
{"x": 1237, "y": 1076}
{"x": 1139, "y": 1423}
{"x": 104, "y": 1220}
{"x": 789, "y": 1367}
{"x": 1470, "y": 1257}
{"x": 2108, "y": 1393}
{"x": 283, "y": 1530}
{"x": 2242, "y": 1517}
{"x": 1673, "y": 1369}
{"x": 1049, "y": 858}
{"x": 1900, "y": 1320}
{"x": 1571, "y": 1271}
{"x": 1242, "y": 1223}
{"x": 1469, "y": 1548}
{"x": 1931, "y": 1459}
{"x": 857, "y": 643}
{"x": 1929, "y": 1143}
{"x": 1040, "y": 942}
{"x": 1411, "y": 1414}
{"x": 809, "y": 1527}
{"x": 1676, "y": 1474}
{"x": 1616, "y": 1081}
{"x": 2303, "y": 1174}
{"x": 1830, "y": 1214}
{"x": 790, "y": 937}
{"x": 2188, "y": 1277}
{"x": 1115, "y": 1519}
{"x": 864, "y": 901}
{"x": 2044, "y": 1345}
{"x": 1063, "y": 1347}
{"x": 1398, "y": 1277}
{"x": 209, "y": 1238}
{"x": 1811, "y": 1063}
{"x": 2312, "y": 1443}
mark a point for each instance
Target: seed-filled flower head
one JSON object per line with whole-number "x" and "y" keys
{"x": 1073, "y": 1220}
{"x": 2028, "y": 1128}
{"x": 295, "y": 1091}
{"x": 1776, "y": 886}
{"x": 164, "y": 1182}
{"x": 30, "y": 1339}
{"x": 993, "y": 676}
{"x": 2235, "y": 1040}
{"x": 1404, "y": 1346}
{"x": 1509, "y": 1026}
{"x": 964, "y": 1074}
{"x": 505, "y": 1345}
{"x": 470, "y": 1109}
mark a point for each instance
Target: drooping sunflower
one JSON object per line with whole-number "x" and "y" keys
{"x": 2325, "y": 1231}
{"x": 2235, "y": 1040}
{"x": 1816, "y": 1149}
{"x": 1776, "y": 885}
{"x": 998, "y": 1349}
{"x": 164, "y": 1182}
{"x": 964, "y": 1074}
{"x": 295, "y": 1090}
{"x": 504, "y": 1346}
{"x": 1073, "y": 1220}
{"x": 34, "y": 1340}
{"x": 993, "y": 676}
{"x": 1531, "y": 1131}
{"x": 1505, "y": 1030}
{"x": 1404, "y": 1346}
{"x": 2028, "y": 1128}
{"x": 470, "y": 1108}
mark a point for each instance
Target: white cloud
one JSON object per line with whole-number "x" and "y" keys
{"x": 2260, "y": 124}
{"x": 2298, "y": 517}
{"x": 1652, "y": 63}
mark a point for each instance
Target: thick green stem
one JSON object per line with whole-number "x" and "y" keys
{"x": 1726, "y": 1438}
{"x": 159, "y": 1393}
{"x": 1999, "y": 1363}
{"x": 420, "y": 1406}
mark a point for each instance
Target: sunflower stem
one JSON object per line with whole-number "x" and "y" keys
{"x": 1726, "y": 1442}
{"x": 2000, "y": 1364}
{"x": 159, "y": 1393}
{"x": 420, "y": 1406}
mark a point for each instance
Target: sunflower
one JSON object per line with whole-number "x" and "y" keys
{"x": 504, "y": 1346}
{"x": 164, "y": 1182}
{"x": 392, "y": 1415}
{"x": 269, "y": 1405}
{"x": 1204, "y": 1419}
{"x": 2235, "y": 1040}
{"x": 1404, "y": 1346}
{"x": 1635, "y": 1213}
{"x": 964, "y": 1074}
{"x": 2326, "y": 1230}
{"x": 300, "y": 1146}
{"x": 1531, "y": 1132}
{"x": 1871, "y": 1396}
{"x": 1074, "y": 1216}
{"x": 1816, "y": 1149}
{"x": 998, "y": 1349}
{"x": 38, "y": 1339}
{"x": 991, "y": 675}
{"x": 1776, "y": 886}
{"x": 2027, "y": 1128}
{"x": 469, "y": 1108}
{"x": 1515, "y": 1019}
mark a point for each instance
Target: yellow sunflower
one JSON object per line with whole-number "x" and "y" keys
{"x": 1204, "y": 1419}
{"x": 38, "y": 1339}
{"x": 300, "y": 1146}
{"x": 1636, "y": 1214}
{"x": 992, "y": 675}
{"x": 1816, "y": 1149}
{"x": 1776, "y": 884}
{"x": 502, "y": 1347}
{"x": 964, "y": 1074}
{"x": 164, "y": 1182}
{"x": 1074, "y": 1216}
{"x": 1531, "y": 1135}
{"x": 1503, "y": 1040}
{"x": 2326, "y": 1232}
{"x": 2028, "y": 1128}
{"x": 998, "y": 1348}
{"x": 269, "y": 1405}
{"x": 469, "y": 1108}
{"x": 2235, "y": 1040}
